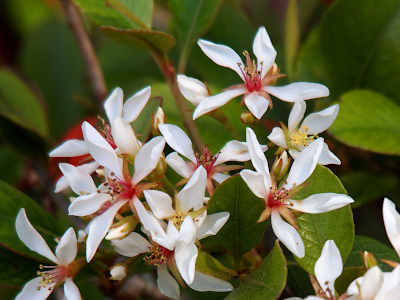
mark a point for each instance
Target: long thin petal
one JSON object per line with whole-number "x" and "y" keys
{"x": 81, "y": 182}
{"x": 321, "y": 121}
{"x": 88, "y": 204}
{"x": 327, "y": 157}
{"x": 31, "y": 238}
{"x": 305, "y": 163}
{"x": 70, "y": 148}
{"x": 296, "y": 115}
{"x": 192, "y": 89}
{"x": 372, "y": 282}
{"x": 160, "y": 203}
{"x": 264, "y": 51}
{"x": 235, "y": 151}
{"x": 124, "y": 137}
{"x": 329, "y": 266}
{"x": 71, "y": 291}
{"x": 135, "y": 104}
{"x": 113, "y": 104}
{"x": 255, "y": 181}
{"x": 204, "y": 283}
{"x": 192, "y": 193}
{"x": 98, "y": 229}
{"x": 188, "y": 231}
{"x": 147, "y": 158}
{"x": 257, "y": 104}
{"x": 288, "y": 235}
{"x": 391, "y": 287}
{"x": 212, "y": 224}
{"x": 298, "y": 90}
{"x": 277, "y": 136}
{"x": 132, "y": 245}
{"x": 179, "y": 165}
{"x": 391, "y": 219}
{"x": 63, "y": 182}
{"x": 167, "y": 284}
{"x": 30, "y": 291}
{"x": 67, "y": 248}
{"x": 185, "y": 257}
{"x": 320, "y": 203}
{"x": 222, "y": 55}
{"x": 213, "y": 102}
{"x": 178, "y": 140}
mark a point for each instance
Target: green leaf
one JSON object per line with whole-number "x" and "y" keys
{"x": 191, "y": 20}
{"x": 207, "y": 264}
{"x": 316, "y": 229}
{"x": 155, "y": 41}
{"x": 140, "y": 11}
{"x": 298, "y": 279}
{"x": 267, "y": 282}
{"x": 368, "y": 120}
{"x": 292, "y": 36}
{"x": 11, "y": 202}
{"x": 20, "y": 105}
{"x": 348, "y": 275}
{"x": 241, "y": 233}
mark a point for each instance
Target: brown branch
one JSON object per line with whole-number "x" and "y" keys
{"x": 95, "y": 72}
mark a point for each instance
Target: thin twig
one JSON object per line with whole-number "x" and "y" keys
{"x": 95, "y": 72}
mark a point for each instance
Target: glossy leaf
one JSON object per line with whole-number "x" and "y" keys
{"x": 20, "y": 105}
{"x": 348, "y": 275}
{"x": 241, "y": 232}
{"x": 369, "y": 121}
{"x": 267, "y": 282}
{"x": 316, "y": 229}
{"x": 207, "y": 264}
{"x": 298, "y": 279}
{"x": 155, "y": 41}
{"x": 11, "y": 202}
{"x": 140, "y": 11}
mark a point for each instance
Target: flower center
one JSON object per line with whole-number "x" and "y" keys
{"x": 52, "y": 277}
{"x": 177, "y": 220}
{"x": 158, "y": 255}
{"x": 251, "y": 75}
{"x": 206, "y": 159}
{"x": 299, "y": 138}
{"x": 276, "y": 198}
{"x": 106, "y": 133}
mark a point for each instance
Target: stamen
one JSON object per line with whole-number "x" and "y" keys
{"x": 300, "y": 137}
{"x": 158, "y": 255}
{"x": 52, "y": 277}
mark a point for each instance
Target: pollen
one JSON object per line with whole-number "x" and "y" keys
{"x": 52, "y": 277}
{"x": 301, "y": 138}
{"x": 177, "y": 220}
{"x": 158, "y": 255}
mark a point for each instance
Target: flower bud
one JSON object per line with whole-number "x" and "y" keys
{"x": 160, "y": 169}
{"x": 82, "y": 236}
{"x": 158, "y": 118}
{"x": 118, "y": 272}
{"x": 281, "y": 166}
{"x": 192, "y": 89}
{"x": 369, "y": 260}
{"x": 248, "y": 118}
{"x": 122, "y": 229}
{"x": 124, "y": 137}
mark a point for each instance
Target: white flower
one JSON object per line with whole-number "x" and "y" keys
{"x": 180, "y": 142}
{"x": 192, "y": 89}
{"x": 296, "y": 137}
{"x": 278, "y": 200}
{"x": 391, "y": 219}
{"x": 257, "y": 78}
{"x": 42, "y": 286}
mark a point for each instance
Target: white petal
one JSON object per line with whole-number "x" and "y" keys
{"x": 329, "y": 266}
{"x": 160, "y": 203}
{"x": 71, "y": 291}
{"x": 178, "y": 140}
{"x": 185, "y": 257}
{"x": 192, "y": 89}
{"x": 212, "y": 224}
{"x": 220, "y": 178}
{"x": 257, "y": 104}
{"x": 277, "y": 136}
{"x": 288, "y": 235}
{"x": 134, "y": 105}
{"x": 67, "y": 248}
{"x": 166, "y": 283}
{"x": 88, "y": 168}
{"x": 132, "y": 245}
{"x": 213, "y": 102}
{"x": 70, "y": 148}
{"x": 321, "y": 121}
{"x": 298, "y": 90}
{"x": 192, "y": 193}
{"x": 98, "y": 229}
{"x": 31, "y": 238}
{"x": 124, "y": 137}
{"x": 264, "y": 51}
{"x": 222, "y": 55}
{"x": 101, "y": 150}
{"x": 255, "y": 182}
{"x": 179, "y": 165}
{"x": 113, "y": 104}
{"x": 88, "y": 204}
{"x": 147, "y": 158}
{"x": 235, "y": 151}
{"x": 204, "y": 283}
{"x": 296, "y": 115}
{"x": 30, "y": 291}
{"x": 257, "y": 156}
{"x": 391, "y": 286}
{"x": 327, "y": 157}
{"x": 320, "y": 203}
{"x": 80, "y": 181}
{"x": 391, "y": 219}
{"x": 305, "y": 163}
{"x": 371, "y": 283}
{"x": 188, "y": 231}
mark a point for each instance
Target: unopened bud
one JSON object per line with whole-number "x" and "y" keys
{"x": 161, "y": 168}
{"x": 281, "y": 166}
{"x": 369, "y": 260}
{"x": 248, "y": 118}
{"x": 82, "y": 236}
{"x": 158, "y": 118}
{"x": 118, "y": 272}
{"x": 122, "y": 229}
{"x": 192, "y": 89}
